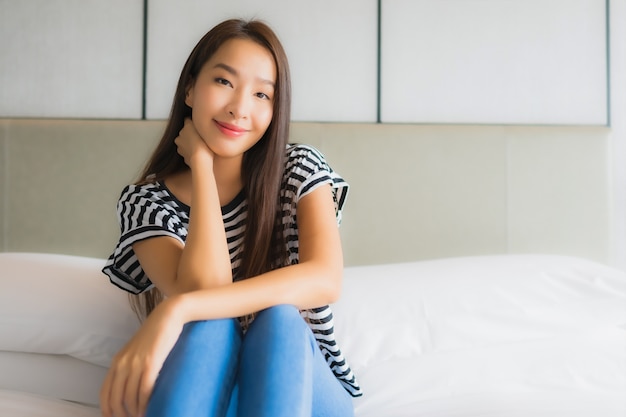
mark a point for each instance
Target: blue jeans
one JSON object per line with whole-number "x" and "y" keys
{"x": 275, "y": 370}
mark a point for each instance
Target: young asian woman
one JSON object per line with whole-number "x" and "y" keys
{"x": 230, "y": 243}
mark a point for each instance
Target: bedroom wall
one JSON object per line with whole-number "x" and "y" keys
{"x": 460, "y": 188}
{"x": 418, "y": 191}
{"x": 618, "y": 130}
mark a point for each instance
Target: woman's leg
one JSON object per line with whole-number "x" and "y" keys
{"x": 275, "y": 373}
{"x": 198, "y": 376}
{"x": 283, "y": 371}
{"x": 330, "y": 398}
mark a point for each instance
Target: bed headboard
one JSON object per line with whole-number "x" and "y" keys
{"x": 418, "y": 191}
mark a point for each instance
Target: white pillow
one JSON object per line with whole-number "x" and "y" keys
{"x": 408, "y": 310}
{"x": 60, "y": 304}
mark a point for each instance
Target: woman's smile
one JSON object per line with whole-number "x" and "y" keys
{"x": 230, "y": 129}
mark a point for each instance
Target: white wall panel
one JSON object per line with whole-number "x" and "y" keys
{"x": 331, "y": 47}
{"x": 68, "y": 58}
{"x": 494, "y": 61}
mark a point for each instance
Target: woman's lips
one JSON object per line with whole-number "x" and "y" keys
{"x": 230, "y": 130}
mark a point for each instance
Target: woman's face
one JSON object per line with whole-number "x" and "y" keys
{"x": 232, "y": 99}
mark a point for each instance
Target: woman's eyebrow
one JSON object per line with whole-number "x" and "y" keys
{"x": 234, "y": 72}
{"x": 227, "y": 68}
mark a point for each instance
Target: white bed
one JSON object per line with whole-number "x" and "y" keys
{"x": 488, "y": 336}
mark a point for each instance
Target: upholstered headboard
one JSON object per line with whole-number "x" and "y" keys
{"x": 418, "y": 191}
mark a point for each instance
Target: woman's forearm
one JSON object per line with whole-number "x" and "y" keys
{"x": 305, "y": 285}
{"x": 205, "y": 260}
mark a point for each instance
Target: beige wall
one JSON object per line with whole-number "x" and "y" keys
{"x": 418, "y": 191}
{"x": 62, "y": 179}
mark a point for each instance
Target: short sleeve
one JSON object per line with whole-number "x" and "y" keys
{"x": 308, "y": 170}
{"x": 143, "y": 212}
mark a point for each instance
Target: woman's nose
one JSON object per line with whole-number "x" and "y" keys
{"x": 239, "y": 106}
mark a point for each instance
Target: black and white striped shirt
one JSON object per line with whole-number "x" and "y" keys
{"x": 151, "y": 210}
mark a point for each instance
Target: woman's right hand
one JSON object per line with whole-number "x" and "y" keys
{"x": 129, "y": 382}
{"x": 191, "y": 146}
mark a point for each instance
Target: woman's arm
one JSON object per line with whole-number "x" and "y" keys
{"x": 203, "y": 261}
{"x": 313, "y": 282}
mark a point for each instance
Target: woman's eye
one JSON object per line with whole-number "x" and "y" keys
{"x": 222, "y": 81}
{"x": 263, "y": 96}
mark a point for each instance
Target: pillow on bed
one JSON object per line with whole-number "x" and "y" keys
{"x": 61, "y": 304}
{"x": 406, "y": 310}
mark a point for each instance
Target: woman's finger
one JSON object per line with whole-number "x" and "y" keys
{"x": 146, "y": 385}
{"x": 118, "y": 388}
{"x": 180, "y": 148}
{"x": 131, "y": 391}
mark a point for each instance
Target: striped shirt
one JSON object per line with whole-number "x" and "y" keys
{"x": 151, "y": 210}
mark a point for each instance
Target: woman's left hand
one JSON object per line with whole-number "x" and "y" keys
{"x": 129, "y": 382}
{"x": 191, "y": 146}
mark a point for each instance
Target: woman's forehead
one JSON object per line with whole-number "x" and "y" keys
{"x": 245, "y": 58}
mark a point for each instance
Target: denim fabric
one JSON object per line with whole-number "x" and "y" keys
{"x": 275, "y": 370}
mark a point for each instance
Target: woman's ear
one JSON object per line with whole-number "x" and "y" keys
{"x": 189, "y": 96}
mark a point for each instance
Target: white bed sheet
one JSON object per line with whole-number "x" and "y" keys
{"x": 56, "y": 376}
{"x": 494, "y": 336}
{"x": 582, "y": 375}
{"x": 23, "y": 404}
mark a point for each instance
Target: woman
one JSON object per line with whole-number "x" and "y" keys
{"x": 230, "y": 237}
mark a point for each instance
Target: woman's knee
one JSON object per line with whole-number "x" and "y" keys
{"x": 283, "y": 315}
{"x": 226, "y": 330}
{"x": 276, "y": 324}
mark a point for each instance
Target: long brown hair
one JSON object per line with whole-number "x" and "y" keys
{"x": 262, "y": 166}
